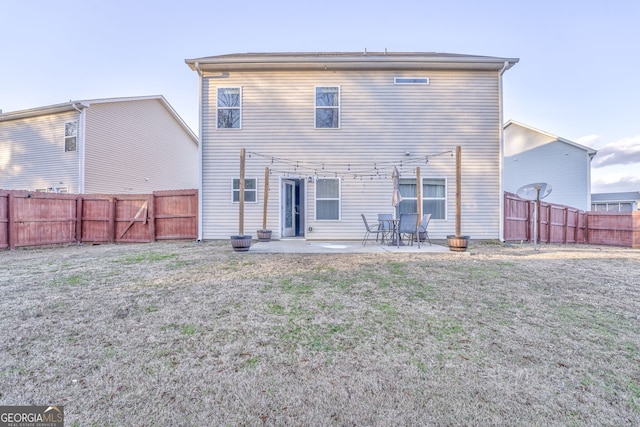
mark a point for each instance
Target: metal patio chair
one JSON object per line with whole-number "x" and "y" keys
{"x": 422, "y": 228}
{"x": 373, "y": 228}
{"x": 385, "y": 225}
{"x": 408, "y": 226}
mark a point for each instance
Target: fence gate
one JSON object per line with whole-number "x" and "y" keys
{"x": 133, "y": 214}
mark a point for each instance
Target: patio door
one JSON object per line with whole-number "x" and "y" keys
{"x": 288, "y": 205}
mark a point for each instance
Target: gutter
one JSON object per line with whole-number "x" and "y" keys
{"x": 504, "y": 68}
{"x": 348, "y": 61}
{"x": 200, "y": 151}
{"x": 80, "y": 108}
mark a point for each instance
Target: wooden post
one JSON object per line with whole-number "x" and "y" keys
{"x": 241, "y": 201}
{"x": 265, "y": 197}
{"x": 458, "y": 191}
{"x": 419, "y": 194}
{"x": 79, "y": 202}
{"x": 11, "y": 230}
{"x": 635, "y": 230}
{"x": 151, "y": 216}
{"x": 113, "y": 209}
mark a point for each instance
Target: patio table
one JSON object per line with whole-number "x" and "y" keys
{"x": 395, "y": 236}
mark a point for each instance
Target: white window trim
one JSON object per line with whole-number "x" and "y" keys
{"x": 617, "y": 205}
{"x": 339, "y": 106}
{"x": 423, "y": 198}
{"x": 339, "y": 199}
{"x": 239, "y": 108}
{"x": 445, "y": 198}
{"x": 245, "y": 190}
{"x": 61, "y": 190}
{"x": 77, "y": 123}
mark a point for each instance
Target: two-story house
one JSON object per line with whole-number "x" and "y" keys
{"x": 533, "y": 156}
{"x": 331, "y": 127}
{"x": 117, "y": 145}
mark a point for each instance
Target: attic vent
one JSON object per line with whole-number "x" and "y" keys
{"x": 411, "y": 80}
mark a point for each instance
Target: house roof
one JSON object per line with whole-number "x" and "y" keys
{"x": 81, "y": 104}
{"x": 590, "y": 151}
{"x": 628, "y": 196}
{"x": 348, "y": 60}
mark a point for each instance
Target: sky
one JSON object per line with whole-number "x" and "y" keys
{"x": 578, "y": 77}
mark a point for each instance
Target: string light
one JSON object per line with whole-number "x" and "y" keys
{"x": 380, "y": 169}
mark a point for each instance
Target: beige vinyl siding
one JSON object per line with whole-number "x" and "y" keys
{"x": 137, "y": 147}
{"x": 379, "y": 122}
{"x": 32, "y": 153}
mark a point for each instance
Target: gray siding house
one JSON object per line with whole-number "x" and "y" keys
{"x": 331, "y": 128}
{"x": 616, "y": 202}
{"x": 118, "y": 145}
{"x": 531, "y": 155}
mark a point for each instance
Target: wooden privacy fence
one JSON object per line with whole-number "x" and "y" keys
{"x": 34, "y": 219}
{"x": 563, "y": 224}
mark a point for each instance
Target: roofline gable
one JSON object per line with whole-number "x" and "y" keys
{"x": 590, "y": 151}
{"x": 348, "y": 61}
{"x": 624, "y": 196}
{"x": 81, "y": 104}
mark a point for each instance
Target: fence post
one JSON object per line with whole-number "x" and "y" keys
{"x": 635, "y": 230}
{"x": 565, "y": 233}
{"x": 151, "y": 215}
{"x": 10, "y": 223}
{"x": 586, "y": 228}
{"x": 549, "y": 212}
{"x": 112, "y": 219}
{"x": 79, "y": 202}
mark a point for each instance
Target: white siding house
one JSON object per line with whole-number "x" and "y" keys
{"x": 332, "y": 126}
{"x": 531, "y": 156}
{"x": 118, "y": 145}
{"x": 616, "y": 202}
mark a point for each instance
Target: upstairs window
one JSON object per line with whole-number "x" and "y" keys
{"x": 229, "y": 107}
{"x": 327, "y": 107}
{"x": 71, "y": 136}
{"x": 250, "y": 190}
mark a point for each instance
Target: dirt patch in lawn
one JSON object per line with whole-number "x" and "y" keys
{"x": 184, "y": 333}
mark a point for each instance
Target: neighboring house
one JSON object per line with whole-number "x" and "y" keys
{"x": 532, "y": 156}
{"x": 615, "y": 202}
{"x": 332, "y": 126}
{"x": 119, "y": 145}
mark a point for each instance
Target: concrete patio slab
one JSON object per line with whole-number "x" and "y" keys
{"x": 336, "y": 247}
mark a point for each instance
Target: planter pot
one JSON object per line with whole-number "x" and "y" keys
{"x": 264, "y": 235}
{"x": 458, "y": 243}
{"x": 241, "y": 243}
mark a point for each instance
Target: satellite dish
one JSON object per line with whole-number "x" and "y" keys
{"x": 537, "y": 191}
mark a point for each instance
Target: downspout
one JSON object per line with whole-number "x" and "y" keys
{"x": 200, "y": 156}
{"x": 501, "y": 136}
{"x": 81, "y": 150}
{"x": 589, "y": 161}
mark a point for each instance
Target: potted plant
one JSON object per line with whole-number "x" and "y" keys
{"x": 458, "y": 243}
{"x": 264, "y": 235}
{"x": 241, "y": 243}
